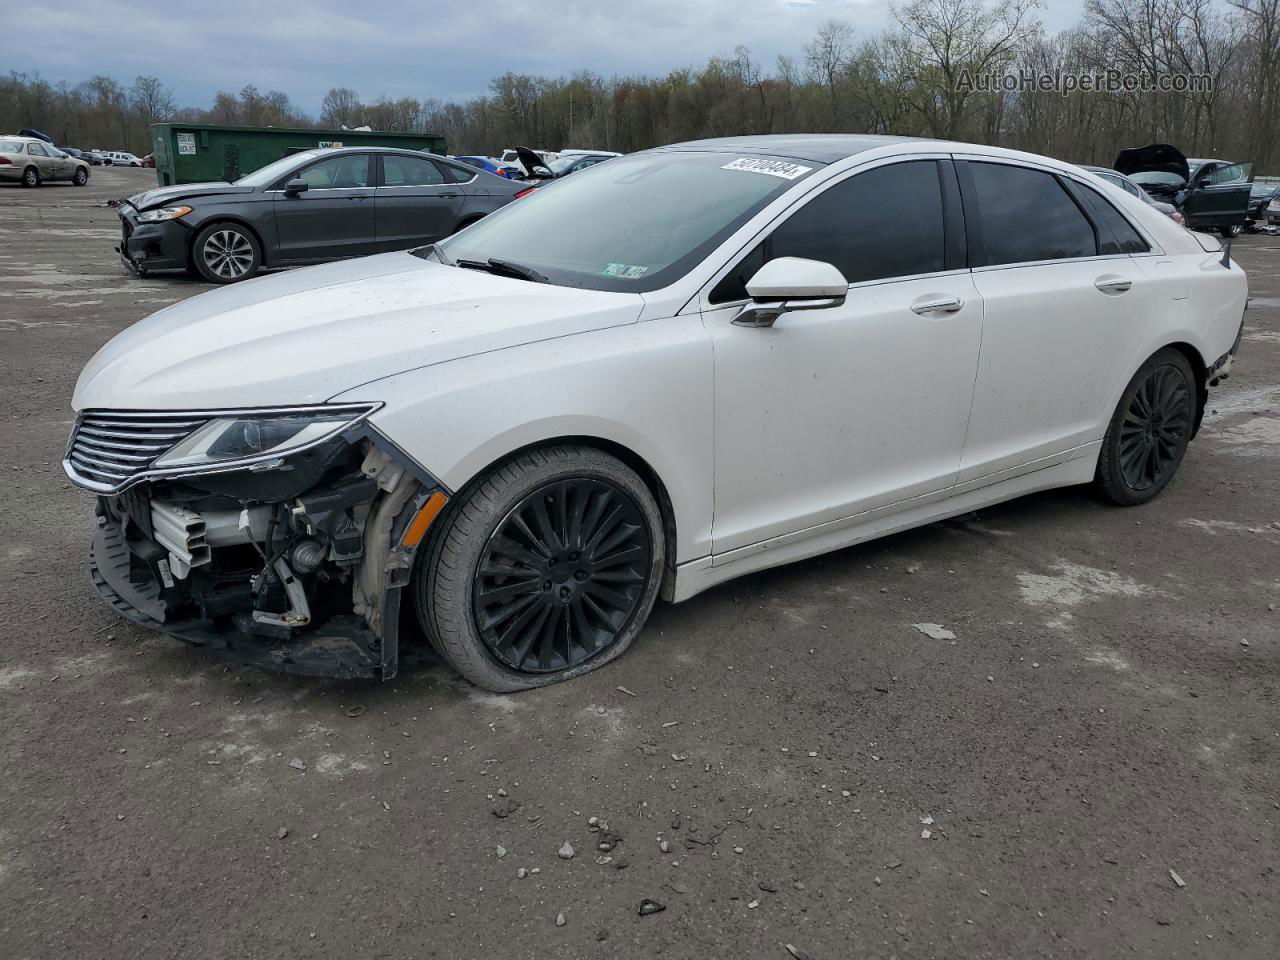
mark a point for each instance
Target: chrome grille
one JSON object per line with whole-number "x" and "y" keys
{"x": 111, "y": 448}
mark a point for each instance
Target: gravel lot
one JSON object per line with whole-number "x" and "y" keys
{"x": 1098, "y": 725}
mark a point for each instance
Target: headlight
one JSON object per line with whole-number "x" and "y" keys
{"x": 163, "y": 213}
{"x": 257, "y": 437}
{"x": 1273, "y": 206}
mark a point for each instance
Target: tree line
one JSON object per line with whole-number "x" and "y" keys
{"x": 922, "y": 76}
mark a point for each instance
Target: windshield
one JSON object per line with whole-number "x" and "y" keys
{"x": 635, "y": 223}
{"x": 274, "y": 171}
{"x": 1157, "y": 178}
{"x": 564, "y": 163}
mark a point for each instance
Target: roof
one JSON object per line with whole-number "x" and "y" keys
{"x": 816, "y": 147}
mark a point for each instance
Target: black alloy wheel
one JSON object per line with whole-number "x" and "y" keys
{"x": 1150, "y": 430}
{"x": 1156, "y": 428}
{"x": 563, "y": 574}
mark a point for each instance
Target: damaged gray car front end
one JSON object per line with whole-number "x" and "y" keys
{"x": 279, "y": 537}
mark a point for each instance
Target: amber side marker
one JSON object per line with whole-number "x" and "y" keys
{"x": 422, "y": 521}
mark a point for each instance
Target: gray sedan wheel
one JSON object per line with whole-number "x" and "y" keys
{"x": 81, "y": 177}
{"x": 226, "y": 253}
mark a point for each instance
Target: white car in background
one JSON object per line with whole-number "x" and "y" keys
{"x": 515, "y": 440}
{"x": 120, "y": 158}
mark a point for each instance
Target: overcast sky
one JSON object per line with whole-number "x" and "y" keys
{"x": 446, "y": 48}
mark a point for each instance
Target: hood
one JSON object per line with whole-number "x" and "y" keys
{"x": 307, "y": 335}
{"x": 532, "y": 163}
{"x": 183, "y": 191}
{"x": 1155, "y": 157}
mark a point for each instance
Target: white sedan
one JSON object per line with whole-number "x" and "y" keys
{"x": 664, "y": 372}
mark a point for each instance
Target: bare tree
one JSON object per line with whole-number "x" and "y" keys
{"x": 827, "y": 58}
{"x": 951, "y": 40}
{"x": 151, "y": 99}
{"x": 341, "y": 108}
{"x": 1261, "y": 20}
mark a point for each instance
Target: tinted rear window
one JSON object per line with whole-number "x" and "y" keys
{"x": 1026, "y": 216}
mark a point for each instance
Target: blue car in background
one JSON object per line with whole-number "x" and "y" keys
{"x": 497, "y": 167}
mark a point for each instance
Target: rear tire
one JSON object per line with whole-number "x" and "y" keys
{"x": 226, "y": 253}
{"x": 1231, "y": 231}
{"x": 31, "y": 177}
{"x": 543, "y": 569}
{"x": 1149, "y": 431}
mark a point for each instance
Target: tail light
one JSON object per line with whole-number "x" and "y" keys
{"x": 500, "y": 172}
{"x": 5, "y": 161}
{"x": 524, "y": 193}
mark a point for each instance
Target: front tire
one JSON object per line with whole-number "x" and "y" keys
{"x": 31, "y": 177}
{"x": 226, "y": 253}
{"x": 81, "y": 177}
{"x": 543, "y": 569}
{"x": 1149, "y": 431}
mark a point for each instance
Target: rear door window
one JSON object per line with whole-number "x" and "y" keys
{"x": 884, "y": 223}
{"x": 1025, "y": 216}
{"x": 409, "y": 172}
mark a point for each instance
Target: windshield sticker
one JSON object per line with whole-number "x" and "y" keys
{"x": 625, "y": 270}
{"x": 772, "y": 168}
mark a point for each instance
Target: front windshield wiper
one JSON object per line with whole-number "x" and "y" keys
{"x": 503, "y": 267}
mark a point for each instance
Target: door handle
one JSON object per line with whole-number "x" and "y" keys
{"x": 1113, "y": 284}
{"x": 446, "y": 196}
{"x": 941, "y": 305}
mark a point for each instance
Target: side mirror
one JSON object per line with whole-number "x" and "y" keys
{"x": 1180, "y": 197}
{"x": 788, "y": 284}
{"x": 296, "y": 186}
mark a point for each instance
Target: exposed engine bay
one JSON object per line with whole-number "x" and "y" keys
{"x": 294, "y": 565}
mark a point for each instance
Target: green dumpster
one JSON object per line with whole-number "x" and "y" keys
{"x": 197, "y": 152}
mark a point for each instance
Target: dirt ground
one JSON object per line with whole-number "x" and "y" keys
{"x": 790, "y": 762}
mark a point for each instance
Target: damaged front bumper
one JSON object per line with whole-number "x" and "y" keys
{"x": 296, "y": 565}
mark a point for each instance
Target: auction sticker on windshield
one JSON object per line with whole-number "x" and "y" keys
{"x": 773, "y": 168}
{"x": 625, "y": 270}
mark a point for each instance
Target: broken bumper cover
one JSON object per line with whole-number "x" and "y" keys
{"x": 1220, "y": 368}
{"x": 152, "y": 246}
{"x": 344, "y": 647}
{"x": 295, "y": 566}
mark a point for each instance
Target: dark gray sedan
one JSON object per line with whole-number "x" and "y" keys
{"x": 310, "y": 207}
